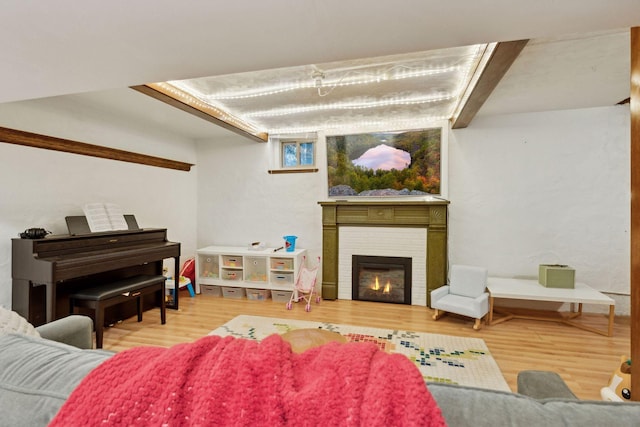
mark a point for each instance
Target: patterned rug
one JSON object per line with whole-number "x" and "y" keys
{"x": 440, "y": 358}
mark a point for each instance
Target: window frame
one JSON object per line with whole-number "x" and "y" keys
{"x": 298, "y": 143}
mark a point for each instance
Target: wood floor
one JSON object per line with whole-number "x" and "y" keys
{"x": 584, "y": 360}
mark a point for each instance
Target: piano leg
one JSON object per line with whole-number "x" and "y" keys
{"x": 29, "y": 300}
{"x": 176, "y": 283}
{"x": 51, "y": 302}
{"x": 22, "y": 300}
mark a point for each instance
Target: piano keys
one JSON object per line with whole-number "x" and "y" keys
{"x": 46, "y": 271}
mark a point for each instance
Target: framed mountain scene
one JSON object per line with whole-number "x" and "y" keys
{"x": 384, "y": 164}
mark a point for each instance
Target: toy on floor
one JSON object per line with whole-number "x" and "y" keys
{"x": 305, "y": 286}
{"x": 188, "y": 270}
{"x": 619, "y": 388}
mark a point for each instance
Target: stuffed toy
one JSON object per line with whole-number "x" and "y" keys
{"x": 619, "y": 388}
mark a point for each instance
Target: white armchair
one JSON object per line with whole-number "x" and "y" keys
{"x": 466, "y": 294}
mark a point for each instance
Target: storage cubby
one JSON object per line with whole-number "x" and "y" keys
{"x": 232, "y": 261}
{"x": 237, "y": 267}
{"x": 228, "y": 274}
{"x": 281, "y": 263}
{"x": 255, "y": 269}
{"x": 282, "y": 278}
{"x": 209, "y": 267}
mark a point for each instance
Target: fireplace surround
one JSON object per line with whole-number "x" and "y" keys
{"x": 429, "y": 215}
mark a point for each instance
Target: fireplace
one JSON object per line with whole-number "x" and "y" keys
{"x": 416, "y": 229}
{"x": 381, "y": 279}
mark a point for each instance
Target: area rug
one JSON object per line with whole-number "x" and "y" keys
{"x": 440, "y": 358}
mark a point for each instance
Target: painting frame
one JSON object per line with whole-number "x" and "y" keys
{"x": 414, "y": 166}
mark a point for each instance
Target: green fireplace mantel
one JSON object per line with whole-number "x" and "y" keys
{"x": 431, "y": 215}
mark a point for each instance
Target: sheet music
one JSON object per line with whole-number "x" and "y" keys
{"x": 116, "y": 217}
{"x": 104, "y": 217}
{"x": 97, "y": 217}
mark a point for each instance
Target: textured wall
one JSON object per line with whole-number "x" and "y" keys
{"x": 38, "y": 188}
{"x": 525, "y": 189}
{"x": 547, "y": 187}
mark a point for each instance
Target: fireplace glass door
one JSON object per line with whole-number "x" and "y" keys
{"x": 381, "y": 279}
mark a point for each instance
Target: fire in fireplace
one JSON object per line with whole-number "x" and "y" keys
{"x": 381, "y": 279}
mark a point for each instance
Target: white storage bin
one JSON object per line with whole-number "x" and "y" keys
{"x": 255, "y": 269}
{"x": 234, "y": 293}
{"x": 258, "y": 294}
{"x": 231, "y": 274}
{"x": 282, "y": 263}
{"x": 209, "y": 266}
{"x": 211, "y": 290}
{"x": 282, "y": 278}
{"x": 281, "y": 296}
{"x": 232, "y": 261}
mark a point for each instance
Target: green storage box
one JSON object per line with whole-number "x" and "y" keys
{"x": 556, "y": 276}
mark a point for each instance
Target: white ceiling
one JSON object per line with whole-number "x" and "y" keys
{"x": 575, "y": 71}
{"x": 394, "y": 91}
{"x": 95, "y": 49}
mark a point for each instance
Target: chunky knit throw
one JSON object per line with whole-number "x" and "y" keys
{"x": 12, "y": 323}
{"x": 237, "y": 382}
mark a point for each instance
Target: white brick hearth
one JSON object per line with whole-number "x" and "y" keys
{"x": 384, "y": 241}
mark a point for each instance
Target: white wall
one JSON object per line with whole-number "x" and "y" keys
{"x": 240, "y": 202}
{"x": 548, "y": 187}
{"x": 525, "y": 189}
{"x": 38, "y": 188}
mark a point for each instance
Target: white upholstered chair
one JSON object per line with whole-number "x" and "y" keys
{"x": 466, "y": 294}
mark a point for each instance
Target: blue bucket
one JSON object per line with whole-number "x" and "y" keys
{"x": 290, "y": 243}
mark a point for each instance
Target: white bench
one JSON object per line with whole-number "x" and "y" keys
{"x": 531, "y": 290}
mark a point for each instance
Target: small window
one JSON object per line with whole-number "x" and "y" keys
{"x": 296, "y": 154}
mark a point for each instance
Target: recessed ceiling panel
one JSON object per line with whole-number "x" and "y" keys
{"x": 415, "y": 87}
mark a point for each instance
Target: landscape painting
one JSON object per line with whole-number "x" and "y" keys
{"x": 384, "y": 164}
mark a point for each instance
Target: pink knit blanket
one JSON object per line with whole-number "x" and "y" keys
{"x": 237, "y": 382}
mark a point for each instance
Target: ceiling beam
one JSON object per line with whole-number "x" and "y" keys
{"x": 190, "y": 104}
{"x": 28, "y": 139}
{"x": 501, "y": 59}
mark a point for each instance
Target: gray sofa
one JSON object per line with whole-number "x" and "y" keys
{"x": 37, "y": 375}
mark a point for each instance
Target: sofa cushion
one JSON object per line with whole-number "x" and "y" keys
{"x": 543, "y": 385}
{"x": 37, "y": 376}
{"x": 474, "y": 407}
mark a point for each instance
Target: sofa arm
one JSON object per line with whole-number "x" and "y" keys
{"x": 75, "y": 330}
{"x": 543, "y": 385}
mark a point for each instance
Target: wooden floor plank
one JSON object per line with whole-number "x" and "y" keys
{"x": 584, "y": 360}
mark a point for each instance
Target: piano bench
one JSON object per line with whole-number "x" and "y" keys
{"x": 98, "y": 298}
